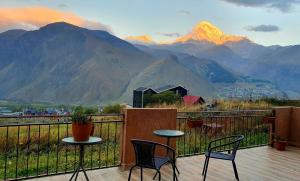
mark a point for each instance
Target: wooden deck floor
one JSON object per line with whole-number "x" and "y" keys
{"x": 257, "y": 164}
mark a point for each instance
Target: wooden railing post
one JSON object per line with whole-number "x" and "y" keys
{"x": 140, "y": 124}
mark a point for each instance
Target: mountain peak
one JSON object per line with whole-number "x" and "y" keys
{"x": 60, "y": 26}
{"x": 205, "y": 31}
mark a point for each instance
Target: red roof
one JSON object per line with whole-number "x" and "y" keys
{"x": 191, "y": 100}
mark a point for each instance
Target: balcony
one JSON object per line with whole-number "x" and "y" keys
{"x": 261, "y": 163}
{"x": 31, "y": 148}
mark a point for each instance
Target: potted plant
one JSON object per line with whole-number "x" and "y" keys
{"x": 81, "y": 124}
{"x": 280, "y": 143}
{"x": 269, "y": 119}
{"x": 195, "y": 122}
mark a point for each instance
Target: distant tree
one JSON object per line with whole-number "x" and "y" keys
{"x": 111, "y": 109}
{"x": 167, "y": 97}
{"x": 91, "y": 110}
{"x": 281, "y": 102}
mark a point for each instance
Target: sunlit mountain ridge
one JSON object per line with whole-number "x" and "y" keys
{"x": 205, "y": 31}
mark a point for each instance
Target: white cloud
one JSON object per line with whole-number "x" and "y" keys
{"x": 30, "y": 18}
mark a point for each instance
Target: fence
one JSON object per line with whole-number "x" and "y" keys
{"x": 33, "y": 148}
{"x": 215, "y": 124}
{"x": 31, "y": 145}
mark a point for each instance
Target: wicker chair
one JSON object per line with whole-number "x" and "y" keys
{"x": 145, "y": 157}
{"x": 230, "y": 144}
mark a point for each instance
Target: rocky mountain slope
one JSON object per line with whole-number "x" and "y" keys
{"x": 63, "y": 63}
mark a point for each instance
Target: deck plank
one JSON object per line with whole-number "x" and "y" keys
{"x": 261, "y": 163}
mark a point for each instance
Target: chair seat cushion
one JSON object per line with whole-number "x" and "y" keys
{"x": 219, "y": 155}
{"x": 159, "y": 161}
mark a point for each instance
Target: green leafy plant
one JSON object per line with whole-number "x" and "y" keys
{"x": 194, "y": 116}
{"x": 80, "y": 115}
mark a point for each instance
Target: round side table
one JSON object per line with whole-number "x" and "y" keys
{"x": 92, "y": 141}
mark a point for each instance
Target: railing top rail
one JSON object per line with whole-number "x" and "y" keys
{"x": 53, "y": 123}
{"x": 53, "y": 116}
{"x": 215, "y": 116}
{"x": 230, "y": 111}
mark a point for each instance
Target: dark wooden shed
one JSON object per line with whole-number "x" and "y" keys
{"x": 179, "y": 90}
{"x": 138, "y": 95}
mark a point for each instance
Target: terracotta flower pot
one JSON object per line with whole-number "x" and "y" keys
{"x": 268, "y": 120}
{"x": 280, "y": 145}
{"x": 194, "y": 123}
{"x": 81, "y": 132}
{"x": 93, "y": 129}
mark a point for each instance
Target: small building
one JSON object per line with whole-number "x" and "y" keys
{"x": 179, "y": 90}
{"x": 5, "y": 110}
{"x": 193, "y": 100}
{"x": 30, "y": 112}
{"x": 138, "y": 94}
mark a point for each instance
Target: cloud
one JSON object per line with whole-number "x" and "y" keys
{"x": 30, "y": 18}
{"x": 142, "y": 39}
{"x": 263, "y": 28}
{"x": 184, "y": 12}
{"x": 169, "y": 34}
{"x": 63, "y": 5}
{"x": 282, "y": 5}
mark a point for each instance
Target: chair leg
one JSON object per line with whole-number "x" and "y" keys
{"x": 235, "y": 170}
{"x": 159, "y": 175}
{"x": 174, "y": 172}
{"x": 130, "y": 173}
{"x": 176, "y": 178}
{"x": 141, "y": 173}
{"x": 177, "y": 170}
{"x": 206, "y": 168}
{"x": 155, "y": 175}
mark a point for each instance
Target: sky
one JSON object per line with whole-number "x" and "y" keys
{"x": 267, "y": 22}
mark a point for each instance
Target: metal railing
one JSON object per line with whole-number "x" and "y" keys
{"x": 31, "y": 146}
{"x": 216, "y": 124}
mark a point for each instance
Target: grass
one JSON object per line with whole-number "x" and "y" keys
{"x": 227, "y": 105}
{"x": 180, "y": 107}
{"x": 218, "y": 105}
{"x": 242, "y": 105}
{"x": 38, "y": 150}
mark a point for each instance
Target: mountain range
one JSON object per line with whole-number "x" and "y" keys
{"x": 63, "y": 63}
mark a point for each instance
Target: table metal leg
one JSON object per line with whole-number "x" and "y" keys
{"x": 80, "y": 165}
{"x": 168, "y": 141}
{"x": 77, "y": 174}
{"x": 86, "y": 177}
{"x": 76, "y": 171}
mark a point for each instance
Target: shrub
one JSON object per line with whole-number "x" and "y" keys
{"x": 167, "y": 97}
{"x": 111, "y": 109}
